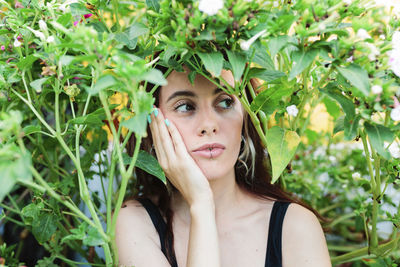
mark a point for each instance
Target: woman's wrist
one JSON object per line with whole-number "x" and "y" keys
{"x": 202, "y": 205}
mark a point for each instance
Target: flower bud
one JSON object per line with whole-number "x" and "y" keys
{"x": 72, "y": 91}
{"x": 43, "y": 25}
{"x": 210, "y": 7}
{"x": 376, "y": 89}
{"x": 363, "y": 34}
{"x": 292, "y": 110}
{"x": 17, "y": 43}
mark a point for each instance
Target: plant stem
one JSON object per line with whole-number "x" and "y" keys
{"x": 364, "y": 252}
{"x": 375, "y": 188}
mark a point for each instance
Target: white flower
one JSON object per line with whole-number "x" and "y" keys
{"x": 38, "y": 34}
{"x": 50, "y": 39}
{"x": 17, "y": 43}
{"x": 276, "y": 4}
{"x": 245, "y": 45}
{"x": 292, "y": 110}
{"x": 394, "y": 150}
{"x": 395, "y": 114}
{"x": 382, "y": 36}
{"x": 396, "y": 39}
{"x": 351, "y": 168}
{"x": 347, "y": 2}
{"x": 210, "y": 7}
{"x": 350, "y": 59}
{"x": 373, "y": 51}
{"x": 363, "y": 34}
{"x": 394, "y": 61}
{"x": 321, "y": 27}
{"x": 43, "y": 25}
{"x": 356, "y": 175}
{"x": 64, "y": 6}
{"x": 376, "y": 89}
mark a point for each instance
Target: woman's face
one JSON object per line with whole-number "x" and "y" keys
{"x": 209, "y": 120}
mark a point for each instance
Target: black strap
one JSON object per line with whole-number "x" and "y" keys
{"x": 274, "y": 246}
{"x": 161, "y": 228}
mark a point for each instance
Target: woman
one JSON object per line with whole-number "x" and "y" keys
{"x": 222, "y": 202}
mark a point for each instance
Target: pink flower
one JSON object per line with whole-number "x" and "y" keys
{"x": 76, "y": 22}
{"x": 395, "y": 113}
{"x": 19, "y": 37}
{"x": 86, "y": 16}
{"x": 18, "y": 5}
{"x": 3, "y": 48}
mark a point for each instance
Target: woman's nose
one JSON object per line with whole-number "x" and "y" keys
{"x": 208, "y": 123}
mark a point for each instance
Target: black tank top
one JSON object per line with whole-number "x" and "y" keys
{"x": 274, "y": 248}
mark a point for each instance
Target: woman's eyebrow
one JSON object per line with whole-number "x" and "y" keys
{"x": 189, "y": 93}
{"x": 181, "y": 93}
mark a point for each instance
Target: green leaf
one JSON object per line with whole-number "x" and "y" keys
{"x": 154, "y": 76}
{"x": 213, "y": 62}
{"x": 31, "y": 211}
{"x": 331, "y": 107}
{"x": 377, "y": 134}
{"x": 238, "y": 63}
{"x": 301, "y": 60}
{"x": 44, "y": 227}
{"x": 357, "y": 76}
{"x": 37, "y": 84}
{"x": 154, "y": 4}
{"x": 64, "y": 19}
{"x": 93, "y": 119}
{"x": 30, "y": 129}
{"x": 78, "y": 9}
{"x": 14, "y": 165}
{"x": 93, "y": 238}
{"x": 147, "y": 163}
{"x": 137, "y": 124}
{"x": 150, "y": 164}
{"x": 123, "y": 38}
{"x": 76, "y": 233}
{"x": 27, "y": 62}
{"x": 351, "y": 127}
{"x": 346, "y": 104}
{"x": 66, "y": 60}
{"x": 268, "y": 100}
{"x": 275, "y": 44}
{"x": 312, "y": 136}
{"x": 137, "y": 29}
{"x": 282, "y": 145}
{"x": 102, "y": 83}
{"x": 339, "y": 125}
{"x": 265, "y": 75}
{"x": 262, "y": 58}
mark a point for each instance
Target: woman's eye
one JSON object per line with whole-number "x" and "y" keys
{"x": 184, "y": 107}
{"x": 226, "y": 103}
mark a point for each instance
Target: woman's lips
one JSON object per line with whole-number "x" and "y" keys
{"x": 209, "y": 150}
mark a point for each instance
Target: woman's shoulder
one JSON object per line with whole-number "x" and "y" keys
{"x": 303, "y": 240}
{"x": 133, "y": 217}
{"x": 136, "y": 238}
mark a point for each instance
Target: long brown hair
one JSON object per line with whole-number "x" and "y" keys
{"x": 257, "y": 182}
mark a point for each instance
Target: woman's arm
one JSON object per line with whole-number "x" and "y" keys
{"x": 303, "y": 241}
{"x": 203, "y": 247}
{"x": 186, "y": 176}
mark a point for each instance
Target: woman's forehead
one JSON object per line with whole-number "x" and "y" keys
{"x": 179, "y": 81}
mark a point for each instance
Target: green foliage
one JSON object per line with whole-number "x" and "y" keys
{"x": 73, "y": 78}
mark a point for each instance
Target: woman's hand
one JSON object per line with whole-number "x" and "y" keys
{"x": 179, "y": 167}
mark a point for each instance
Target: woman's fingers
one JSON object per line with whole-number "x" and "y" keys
{"x": 162, "y": 138}
{"x": 177, "y": 140}
{"x": 155, "y": 133}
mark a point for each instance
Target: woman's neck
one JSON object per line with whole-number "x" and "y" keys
{"x": 228, "y": 199}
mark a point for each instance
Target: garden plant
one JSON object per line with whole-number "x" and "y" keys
{"x": 72, "y": 93}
